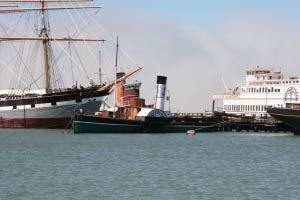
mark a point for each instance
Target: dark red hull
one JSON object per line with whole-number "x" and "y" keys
{"x": 51, "y": 123}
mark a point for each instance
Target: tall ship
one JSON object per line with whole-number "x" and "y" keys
{"x": 262, "y": 88}
{"x": 49, "y": 105}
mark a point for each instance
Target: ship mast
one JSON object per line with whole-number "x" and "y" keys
{"x": 116, "y": 70}
{"x": 44, "y": 34}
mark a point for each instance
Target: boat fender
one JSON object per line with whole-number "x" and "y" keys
{"x": 191, "y": 132}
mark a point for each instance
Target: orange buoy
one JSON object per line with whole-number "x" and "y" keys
{"x": 191, "y": 132}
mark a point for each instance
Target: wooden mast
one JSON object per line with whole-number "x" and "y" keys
{"x": 40, "y": 1}
{"x": 7, "y": 38}
{"x": 8, "y": 10}
{"x": 44, "y": 33}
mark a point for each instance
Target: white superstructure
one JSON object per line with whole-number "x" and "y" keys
{"x": 262, "y": 88}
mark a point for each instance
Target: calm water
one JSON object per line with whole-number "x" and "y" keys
{"x": 39, "y": 164}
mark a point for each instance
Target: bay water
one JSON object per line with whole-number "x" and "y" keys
{"x": 56, "y": 164}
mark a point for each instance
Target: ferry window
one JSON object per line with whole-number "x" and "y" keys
{"x": 14, "y": 106}
{"x": 272, "y": 89}
{"x": 278, "y": 90}
{"x": 297, "y": 81}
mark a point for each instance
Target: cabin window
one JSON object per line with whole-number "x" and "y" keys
{"x": 78, "y": 100}
{"x": 32, "y": 105}
{"x": 14, "y": 106}
{"x": 53, "y": 103}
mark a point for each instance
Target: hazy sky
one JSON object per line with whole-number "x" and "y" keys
{"x": 195, "y": 43}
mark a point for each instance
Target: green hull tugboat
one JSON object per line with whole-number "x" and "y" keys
{"x": 131, "y": 115}
{"x": 148, "y": 124}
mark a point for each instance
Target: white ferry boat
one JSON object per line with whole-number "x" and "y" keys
{"x": 263, "y": 88}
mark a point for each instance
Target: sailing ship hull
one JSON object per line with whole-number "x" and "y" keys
{"x": 96, "y": 124}
{"x": 290, "y": 117}
{"x": 46, "y": 115}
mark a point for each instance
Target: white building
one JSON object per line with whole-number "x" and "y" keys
{"x": 261, "y": 89}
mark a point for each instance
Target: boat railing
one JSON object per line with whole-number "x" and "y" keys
{"x": 190, "y": 115}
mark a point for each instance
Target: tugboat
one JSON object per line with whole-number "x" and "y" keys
{"x": 133, "y": 116}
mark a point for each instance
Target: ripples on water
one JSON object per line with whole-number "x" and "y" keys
{"x": 39, "y": 164}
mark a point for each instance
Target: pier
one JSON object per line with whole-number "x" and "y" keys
{"x": 252, "y": 124}
{"x": 234, "y": 123}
